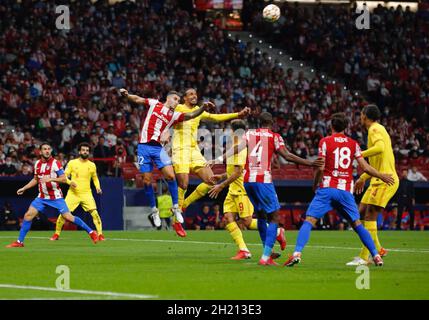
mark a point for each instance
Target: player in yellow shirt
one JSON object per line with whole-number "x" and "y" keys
{"x": 376, "y": 197}
{"x": 81, "y": 171}
{"x": 186, "y": 154}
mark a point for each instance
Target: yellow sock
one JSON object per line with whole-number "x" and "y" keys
{"x": 202, "y": 189}
{"x": 254, "y": 224}
{"x": 181, "y": 192}
{"x": 97, "y": 221}
{"x": 236, "y": 235}
{"x": 371, "y": 226}
{"x": 60, "y": 224}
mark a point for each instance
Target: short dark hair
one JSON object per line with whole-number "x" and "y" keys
{"x": 372, "y": 112}
{"x": 173, "y": 92}
{"x": 266, "y": 118}
{"x": 339, "y": 121}
{"x": 44, "y": 144}
{"x": 238, "y": 124}
{"x": 83, "y": 144}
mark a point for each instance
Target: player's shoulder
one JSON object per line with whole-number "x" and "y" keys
{"x": 376, "y": 128}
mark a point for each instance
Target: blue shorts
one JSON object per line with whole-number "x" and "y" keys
{"x": 263, "y": 196}
{"x": 149, "y": 154}
{"x": 40, "y": 204}
{"x": 327, "y": 199}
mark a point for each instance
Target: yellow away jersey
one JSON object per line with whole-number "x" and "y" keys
{"x": 82, "y": 172}
{"x": 237, "y": 186}
{"x": 384, "y": 162}
{"x": 185, "y": 133}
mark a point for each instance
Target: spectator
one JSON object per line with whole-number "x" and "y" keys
{"x": 8, "y": 168}
{"x": 101, "y": 151}
{"x": 219, "y": 220}
{"x": 414, "y": 175}
{"x": 205, "y": 220}
{"x": 8, "y": 221}
{"x": 406, "y": 199}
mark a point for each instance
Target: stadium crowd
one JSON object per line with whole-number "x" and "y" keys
{"x": 61, "y": 85}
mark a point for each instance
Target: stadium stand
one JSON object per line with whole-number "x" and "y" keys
{"x": 62, "y": 86}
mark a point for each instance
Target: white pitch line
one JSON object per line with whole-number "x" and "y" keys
{"x": 411, "y": 250}
{"x": 85, "y": 292}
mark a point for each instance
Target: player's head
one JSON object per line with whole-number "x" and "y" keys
{"x": 339, "y": 122}
{"x": 173, "y": 99}
{"x": 369, "y": 114}
{"x": 239, "y": 128}
{"x": 84, "y": 148}
{"x": 191, "y": 97}
{"x": 45, "y": 150}
{"x": 266, "y": 119}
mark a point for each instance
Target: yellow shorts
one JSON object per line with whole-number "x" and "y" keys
{"x": 85, "y": 200}
{"x": 186, "y": 160}
{"x": 379, "y": 194}
{"x": 238, "y": 204}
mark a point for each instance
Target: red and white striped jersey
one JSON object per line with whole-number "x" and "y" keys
{"x": 339, "y": 152}
{"x": 261, "y": 145}
{"x": 51, "y": 168}
{"x": 158, "y": 119}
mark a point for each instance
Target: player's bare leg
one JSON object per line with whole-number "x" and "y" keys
{"x": 183, "y": 183}
{"x": 26, "y": 225}
{"x": 236, "y": 234}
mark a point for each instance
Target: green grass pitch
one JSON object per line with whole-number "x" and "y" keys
{"x": 163, "y": 266}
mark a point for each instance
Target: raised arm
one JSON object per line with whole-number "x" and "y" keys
{"x": 132, "y": 97}
{"x": 226, "y": 116}
{"x": 199, "y": 111}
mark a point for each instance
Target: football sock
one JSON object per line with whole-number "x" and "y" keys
{"x": 97, "y": 221}
{"x": 236, "y": 235}
{"x": 26, "y": 226}
{"x": 150, "y": 195}
{"x": 172, "y": 187}
{"x": 254, "y": 224}
{"x": 262, "y": 228}
{"x": 270, "y": 240}
{"x": 371, "y": 226}
{"x": 303, "y": 236}
{"x": 59, "y": 225}
{"x": 78, "y": 221}
{"x": 201, "y": 190}
{"x": 181, "y": 193}
{"x": 366, "y": 239}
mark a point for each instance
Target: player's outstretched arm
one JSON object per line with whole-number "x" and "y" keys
{"x": 33, "y": 182}
{"x": 217, "y": 189}
{"x": 387, "y": 178}
{"x": 132, "y": 97}
{"x": 293, "y": 158}
{"x": 199, "y": 111}
{"x": 227, "y": 116}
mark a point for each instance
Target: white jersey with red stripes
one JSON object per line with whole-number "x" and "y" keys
{"x": 261, "y": 145}
{"x": 158, "y": 119}
{"x": 339, "y": 152}
{"x": 51, "y": 168}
